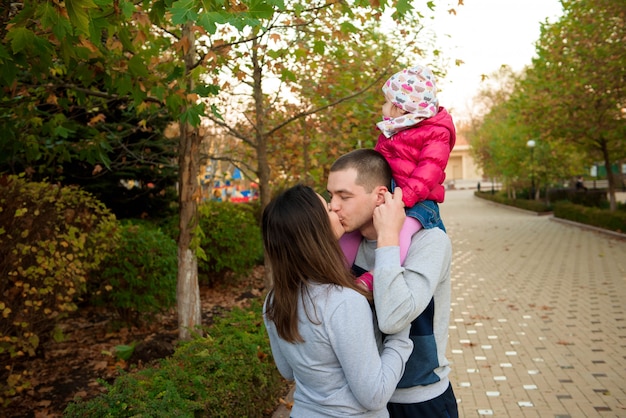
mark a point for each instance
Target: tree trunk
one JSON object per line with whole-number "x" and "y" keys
{"x": 187, "y": 289}
{"x": 263, "y": 168}
{"x": 609, "y": 176}
{"x": 188, "y": 295}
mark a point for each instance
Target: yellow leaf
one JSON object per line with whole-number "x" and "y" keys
{"x": 96, "y": 119}
{"x": 96, "y": 169}
{"x": 20, "y": 212}
{"x": 52, "y": 99}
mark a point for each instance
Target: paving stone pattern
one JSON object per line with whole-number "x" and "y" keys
{"x": 538, "y": 321}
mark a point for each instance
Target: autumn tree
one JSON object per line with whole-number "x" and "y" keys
{"x": 151, "y": 57}
{"x": 574, "y": 94}
{"x": 142, "y": 56}
{"x": 499, "y": 140}
{"x": 300, "y": 63}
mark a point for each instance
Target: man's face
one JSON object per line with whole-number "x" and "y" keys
{"x": 351, "y": 202}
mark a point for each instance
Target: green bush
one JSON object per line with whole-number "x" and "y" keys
{"x": 230, "y": 373}
{"x": 592, "y": 197}
{"x": 538, "y": 206}
{"x": 230, "y": 240}
{"x": 139, "y": 279}
{"x": 601, "y": 218}
{"x": 50, "y": 239}
{"x": 594, "y": 216}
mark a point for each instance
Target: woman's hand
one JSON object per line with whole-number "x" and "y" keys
{"x": 389, "y": 218}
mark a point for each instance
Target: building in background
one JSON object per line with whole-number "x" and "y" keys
{"x": 461, "y": 165}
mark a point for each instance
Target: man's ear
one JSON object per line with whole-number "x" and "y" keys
{"x": 380, "y": 194}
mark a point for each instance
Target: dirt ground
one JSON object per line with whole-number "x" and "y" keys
{"x": 73, "y": 367}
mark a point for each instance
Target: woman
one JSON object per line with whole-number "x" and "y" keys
{"x": 320, "y": 324}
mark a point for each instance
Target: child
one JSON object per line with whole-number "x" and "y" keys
{"x": 416, "y": 139}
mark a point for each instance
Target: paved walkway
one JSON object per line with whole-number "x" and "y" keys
{"x": 538, "y": 322}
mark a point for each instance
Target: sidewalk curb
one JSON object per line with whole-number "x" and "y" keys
{"x": 590, "y": 227}
{"x": 556, "y": 219}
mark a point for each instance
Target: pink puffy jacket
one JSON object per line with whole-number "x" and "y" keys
{"x": 418, "y": 157}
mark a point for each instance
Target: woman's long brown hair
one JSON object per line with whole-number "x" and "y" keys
{"x": 301, "y": 248}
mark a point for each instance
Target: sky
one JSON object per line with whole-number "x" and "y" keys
{"x": 486, "y": 34}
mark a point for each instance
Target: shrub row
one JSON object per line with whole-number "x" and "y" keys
{"x": 229, "y": 373}
{"x": 600, "y": 217}
{"x": 593, "y": 197}
{"x": 538, "y": 206}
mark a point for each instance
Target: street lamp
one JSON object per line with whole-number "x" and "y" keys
{"x": 531, "y": 144}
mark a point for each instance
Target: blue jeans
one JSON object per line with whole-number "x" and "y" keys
{"x": 426, "y": 212}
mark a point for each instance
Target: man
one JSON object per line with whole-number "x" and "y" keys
{"x": 417, "y": 293}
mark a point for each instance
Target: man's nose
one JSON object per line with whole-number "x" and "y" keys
{"x": 333, "y": 204}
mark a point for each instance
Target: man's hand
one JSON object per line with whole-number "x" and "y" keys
{"x": 389, "y": 218}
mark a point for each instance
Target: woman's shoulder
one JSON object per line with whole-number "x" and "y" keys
{"x": 337, "y": 295}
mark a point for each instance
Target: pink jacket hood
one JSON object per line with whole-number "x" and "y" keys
{"x": 418, "y": 157}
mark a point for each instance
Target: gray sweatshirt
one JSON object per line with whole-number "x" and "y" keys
{"x": 417, "y": 293}
{"x": 338, "y": 370}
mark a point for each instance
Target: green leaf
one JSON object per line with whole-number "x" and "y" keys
{"x": 192, "y": 115}
{"x": 20, "y": 38}
{"x": 158, "y": 92}
{"x": 288, "y": 75}
{"x": 319, "y": 47}
{"x": 137, "y": 66}
{"x": 124, "y": 85}
{"x": 20, "y": 212}
{"x": 176, "y": 73}
{"x": 174, "y": 102}
{"x": 62, "y": 132}
{"x": 207, "y": 23}
{"x": 403, "y": 7}
{"x": 4, "y": 54}
{"x": 51, "y": 19}
{"x": 124, "y": 351}
{"x": 348, "y": 27}
{"x": 206, "y": 90}
{"x": 274, "y": 54}
{"x": 261, "y": 9}
{"x": 77, "y": 11}
{"x": 183, "y": 12}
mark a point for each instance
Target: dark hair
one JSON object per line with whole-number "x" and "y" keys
{"x": 301, "y": 248}
{"x": 371, "y": 167}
